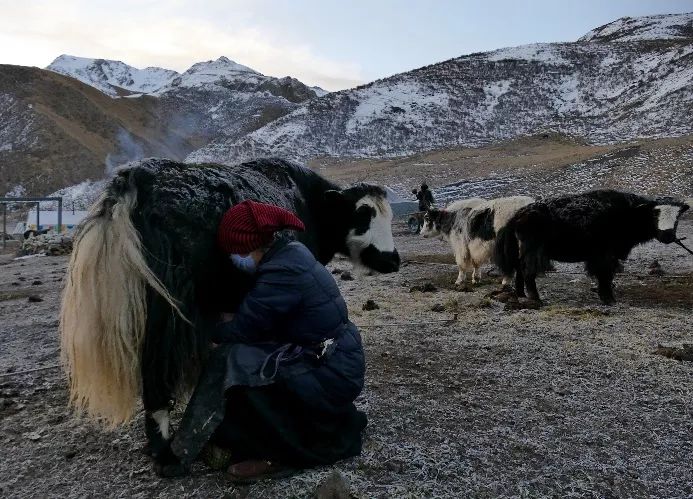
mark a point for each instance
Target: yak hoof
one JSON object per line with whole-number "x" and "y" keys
{"x": 171, "y": 470}
{"x": 608, "y": 300}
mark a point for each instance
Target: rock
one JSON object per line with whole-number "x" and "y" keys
{"x": 36, "y": 283}
{"x": 424, "y": 288}
{"x": 33, "y": 436}
{"x": 370, "y": 305}
{"x": 680, "y": 354}
{"x": 35, "y": 299}
{"x": 47, "y": 244}
{"x": 337, "y": 271}
{"x": 335, "y": 486}
{"x": 655, "y": 268}
{"x": 438, "y": 307}
{"x": 346, "y": 276}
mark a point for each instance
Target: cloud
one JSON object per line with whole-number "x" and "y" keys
{"x": 170, "y": 36}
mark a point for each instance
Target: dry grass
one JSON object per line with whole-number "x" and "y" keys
{"x": 543, "y": 153}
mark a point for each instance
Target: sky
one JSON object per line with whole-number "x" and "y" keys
{"x": 331, "y": 43}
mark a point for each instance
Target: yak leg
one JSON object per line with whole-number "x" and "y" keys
{"x": 603, "y": 268}
{"x": 532, "y": 256}
{"x": 475, "y": 272}
{"x": 157, "y": 422}
{"x": 519, "y": 283}
{"x": 461, "y": 275}
{"x": 531, "y": 285}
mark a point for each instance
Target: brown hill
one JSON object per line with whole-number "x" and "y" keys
{"x": 56, "y": 131}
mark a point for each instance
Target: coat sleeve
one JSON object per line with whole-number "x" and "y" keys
{"x": 273, "y": 296}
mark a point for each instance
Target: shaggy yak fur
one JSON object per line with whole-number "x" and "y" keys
{"x": 146, "y": 280}
{"x": 471, "y": 225}
{"x": 598, "y": 228}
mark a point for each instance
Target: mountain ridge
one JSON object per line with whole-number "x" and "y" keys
{"x": 600, "y": 91}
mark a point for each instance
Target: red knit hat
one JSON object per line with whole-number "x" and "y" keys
{"x": 250, "y": 225}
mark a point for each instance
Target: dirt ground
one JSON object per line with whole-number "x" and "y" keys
{"x": 472, "y": 401}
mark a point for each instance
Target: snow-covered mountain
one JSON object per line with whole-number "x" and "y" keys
{"x": 71, "y": 123}
{"x": 596, "y": 89}
{"x": 628, "y": 29}
{"x": 112, "y": 77}
{"x": 219, "y": 99}
{"x": 224, "y": 100}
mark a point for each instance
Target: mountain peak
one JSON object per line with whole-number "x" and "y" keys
{"x": 111, "y": 77}
{"x": 219, "y": 66}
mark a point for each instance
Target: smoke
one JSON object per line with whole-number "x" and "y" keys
{"x": 127, "y": 149}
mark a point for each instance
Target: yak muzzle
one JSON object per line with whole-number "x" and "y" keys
{"x": 384, "y": 262}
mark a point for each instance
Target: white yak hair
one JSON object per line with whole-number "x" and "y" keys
{"x": 104, "y": 312}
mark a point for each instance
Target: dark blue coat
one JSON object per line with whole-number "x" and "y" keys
{"x": 296, "y": 301}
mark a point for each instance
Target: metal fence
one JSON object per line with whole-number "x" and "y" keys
{"x": 38, "y": 201}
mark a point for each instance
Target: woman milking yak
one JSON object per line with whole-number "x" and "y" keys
{"x": 278, "y": 391}
{"x": 149, "y": 276}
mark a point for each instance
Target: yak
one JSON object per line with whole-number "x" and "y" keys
{"x": 598, "y": 227}
{"x": 146, "y": 281}
{"x": 471, "y": 225}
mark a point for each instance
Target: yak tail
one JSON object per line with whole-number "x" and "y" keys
{"x": 104, "y": 309}
{"x": 507, "y": 250}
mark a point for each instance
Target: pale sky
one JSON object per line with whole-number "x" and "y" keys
{"x": 333, "y": 44}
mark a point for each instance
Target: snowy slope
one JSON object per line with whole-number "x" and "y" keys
{"x": 628, "y": 29}
{"x": 603, "y": 92}
{"x": 109, "y": 76}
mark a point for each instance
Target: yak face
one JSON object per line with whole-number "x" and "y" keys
{"x": 365, "y": 218}
{"x": 667, "y": 216}
{"x": 431, "y": 223}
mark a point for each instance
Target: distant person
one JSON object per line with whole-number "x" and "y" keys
{"x": 425, "y": 197}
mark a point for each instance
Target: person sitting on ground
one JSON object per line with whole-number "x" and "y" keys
{"x": 278, "y": 392}
{"x": 425, "y": 197}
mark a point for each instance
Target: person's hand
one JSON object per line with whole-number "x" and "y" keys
{"x": 226, "y": 316}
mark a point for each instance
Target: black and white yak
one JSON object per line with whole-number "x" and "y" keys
{"x": 146, "y": 279}
{"x": 471, "y": 225}
{"x": 598, "y": 228}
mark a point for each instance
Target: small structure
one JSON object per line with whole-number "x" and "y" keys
{"x": 37, "y": 201}
{"x": 51, "y": 220}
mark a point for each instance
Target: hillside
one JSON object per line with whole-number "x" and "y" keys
{"x": 600, "y": 92}
{"x": 83, "y": 117}
{"x": 540, "y": 166}
{"x": 56, "y": 131}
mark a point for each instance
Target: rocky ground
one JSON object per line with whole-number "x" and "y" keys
{"x": 565, "y": 401}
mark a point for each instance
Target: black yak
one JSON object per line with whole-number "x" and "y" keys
{"x": 146, "y": 279}
{"x": 599, "y": 228}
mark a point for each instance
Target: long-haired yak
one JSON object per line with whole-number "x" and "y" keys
{"x": 146, "y": 280}
{"x": 598, "y": 227}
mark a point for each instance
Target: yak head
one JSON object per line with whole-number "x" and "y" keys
{"x": 361, "y": 218}
{"x": 432, "y": 223}
{"x": 667, "y": 213}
